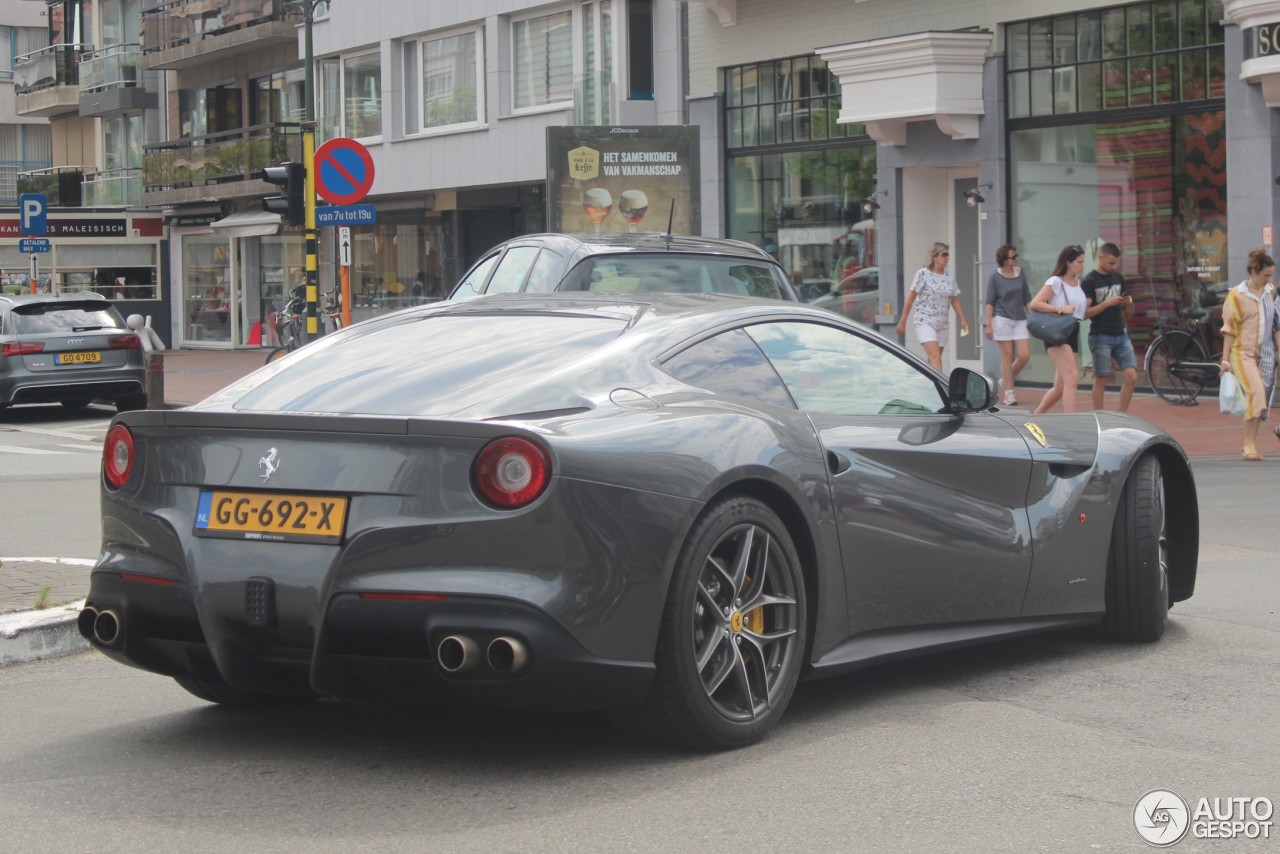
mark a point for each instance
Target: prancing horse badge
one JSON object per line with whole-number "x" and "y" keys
{"x": 1034, "y": 430}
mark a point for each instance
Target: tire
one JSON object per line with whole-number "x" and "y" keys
{"x": 727, "y": 670}
{"x": 1137, "y": 566}
{"x": 1167, "y": 350}
{"x": 75, "y": 404}
{"x": 277, "y": 354}
{"x": 131, "y": 402}
{"x": 225, "y": 695}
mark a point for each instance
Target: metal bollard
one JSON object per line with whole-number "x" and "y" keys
{"x": 155, "y": 379}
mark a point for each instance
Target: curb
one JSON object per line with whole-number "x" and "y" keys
{"x": 30, "y": 635}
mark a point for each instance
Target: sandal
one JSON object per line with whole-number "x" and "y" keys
{"x": 1251, "y": 456}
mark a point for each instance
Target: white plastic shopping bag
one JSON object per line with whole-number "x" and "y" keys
{"x": 1230, "y": 398}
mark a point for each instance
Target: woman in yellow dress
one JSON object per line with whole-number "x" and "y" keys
{"x": 1250, "y": 341}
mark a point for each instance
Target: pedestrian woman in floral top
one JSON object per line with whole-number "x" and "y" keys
{"x": 931, "y": 290}
{"x": 1250, "y": 339}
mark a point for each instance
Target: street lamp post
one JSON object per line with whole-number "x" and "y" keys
{"x": 311, "y": 236}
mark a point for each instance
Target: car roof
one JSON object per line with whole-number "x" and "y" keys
{"x": 29, "y": 299}
{"x": 647, "y": 241}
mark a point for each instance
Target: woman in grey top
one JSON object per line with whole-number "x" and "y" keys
{"x": 1007, "y": 298}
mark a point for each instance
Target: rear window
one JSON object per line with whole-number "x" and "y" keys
{"x": 435, "y": 365}
{"x": 674, "y": 273}
{"x": 44, "y": 318}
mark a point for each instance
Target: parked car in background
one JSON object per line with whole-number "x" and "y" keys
{"x": 71, "y": 349}
{"x": 624, "y": 263}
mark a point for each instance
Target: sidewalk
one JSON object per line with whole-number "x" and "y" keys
{"x": 192, "y": 375}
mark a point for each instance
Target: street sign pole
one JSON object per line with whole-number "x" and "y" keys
{"x": 309, "y": 158}
{"x": 35, "y": 270}
{"x": 344, "y": 272}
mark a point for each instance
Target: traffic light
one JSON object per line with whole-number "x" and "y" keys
{"x": 292, "y": 177}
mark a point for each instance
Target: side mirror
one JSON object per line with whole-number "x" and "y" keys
{"x": 970, "y": 391}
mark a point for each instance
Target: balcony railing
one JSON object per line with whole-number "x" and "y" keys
{"x": 219, "y": 158}
{"x": 9, "y": 172}
{"x": 113, "y": 188}
{"x": 181, "y": 22}
{"x": 55, "y": 65}
{"x": 110, "y": 68}
{"x": 60, "y": 185}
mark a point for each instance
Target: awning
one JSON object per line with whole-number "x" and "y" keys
{"x": 248, "y": 224}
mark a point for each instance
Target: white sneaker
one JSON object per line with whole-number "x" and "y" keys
{"x": 1010, "y": 399}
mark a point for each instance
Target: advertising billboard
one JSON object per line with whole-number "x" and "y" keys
{"x": 623, "y": 179}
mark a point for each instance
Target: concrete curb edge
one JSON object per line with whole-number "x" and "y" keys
{"x": 30, "y": 635}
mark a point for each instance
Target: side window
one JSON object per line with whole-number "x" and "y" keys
{"x": 836, "y": 371}
{"x": 511, "y": 273}
{"x": 473, "y": 283}
{"x": 730, "y": 363}
{"x": 540, "y": 278}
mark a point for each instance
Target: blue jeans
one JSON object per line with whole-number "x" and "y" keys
{"x": 1107, "y": 347}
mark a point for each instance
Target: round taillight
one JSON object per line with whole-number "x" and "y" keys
{"x": 512, "y": 472}
{"x": 117, "y": 456}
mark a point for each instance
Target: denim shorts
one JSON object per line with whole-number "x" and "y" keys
{"x": 1108, "y": 347}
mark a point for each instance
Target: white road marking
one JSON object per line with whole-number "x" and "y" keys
{"x": 16, "y": 449}
{"x": 70, "y": 561}
{"x": 92, "y": 448}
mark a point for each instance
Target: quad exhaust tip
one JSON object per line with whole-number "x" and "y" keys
{"x": 506, "y": 655}
{"x": 106, "y": 625}
{"x": 457, "y": 654}
{"x": 84, "y": 622}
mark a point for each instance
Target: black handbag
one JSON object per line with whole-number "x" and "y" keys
{"x": 1053, "y": 329}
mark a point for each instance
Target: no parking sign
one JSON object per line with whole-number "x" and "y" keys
{"x": 343, "y": 171}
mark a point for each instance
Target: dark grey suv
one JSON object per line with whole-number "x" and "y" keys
{"x": 71, "y": 349}
{"x": 541, "y": 263}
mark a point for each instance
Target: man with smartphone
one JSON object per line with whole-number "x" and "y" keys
{"x": 1107, "y": 309}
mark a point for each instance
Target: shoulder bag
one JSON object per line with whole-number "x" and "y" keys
{"x": 1053, "y": 329}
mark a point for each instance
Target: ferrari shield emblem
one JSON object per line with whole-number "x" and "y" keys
{"x": 1034, "y": 430}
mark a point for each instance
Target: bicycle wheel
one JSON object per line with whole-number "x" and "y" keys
{"x": 1163, "y": 356}
{"x": 277, "y": 354}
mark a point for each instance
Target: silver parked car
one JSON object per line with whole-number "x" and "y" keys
{"x": 71, "y": 349}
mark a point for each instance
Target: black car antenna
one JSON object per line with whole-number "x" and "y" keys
{"x": 670, "y": 218}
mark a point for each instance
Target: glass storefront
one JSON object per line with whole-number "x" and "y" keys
{"x": 232, "y": 287}
{"x": 800, "y": 186}
{"x": 206, "y": 288}
{"x": 1151, "y": 178}
{"x": 396, "y": 264}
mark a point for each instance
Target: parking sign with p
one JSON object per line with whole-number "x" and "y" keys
{"x": 33, "y": 213}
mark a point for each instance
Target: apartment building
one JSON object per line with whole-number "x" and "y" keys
{"x": 852, "y": 135}
{"x": 79, "y": 78}
{"x": 454, "y": 100}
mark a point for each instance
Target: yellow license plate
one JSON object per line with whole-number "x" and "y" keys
{"x": 76, "y": 358}
{"x": 271, "y": 516}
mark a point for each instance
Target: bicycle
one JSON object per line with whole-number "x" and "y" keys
{"x": 288, "y": 322}
{"x": 1179, "y": 363}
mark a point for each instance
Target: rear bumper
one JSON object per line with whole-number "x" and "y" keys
{"x": 367, "y": 648}
{"x": 108, "y": 385}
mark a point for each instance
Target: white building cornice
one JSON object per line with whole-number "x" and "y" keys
{"x": 1263, "y": 70}
{"x": 932, "y": 76}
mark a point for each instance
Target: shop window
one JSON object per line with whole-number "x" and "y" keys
{"x": 1155, "y": 186}
{"x": 542, "y": 60}
{"x": 1152, "y": 53}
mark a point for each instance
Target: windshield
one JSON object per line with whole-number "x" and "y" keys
{"x": 675, "y": 273}
{"x": 46, "y": 318}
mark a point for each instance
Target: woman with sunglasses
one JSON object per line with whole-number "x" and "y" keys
{"x": 931, "y": 290}
{"x": 1007, "y": 298}
{"x": 1062, "y": 294}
